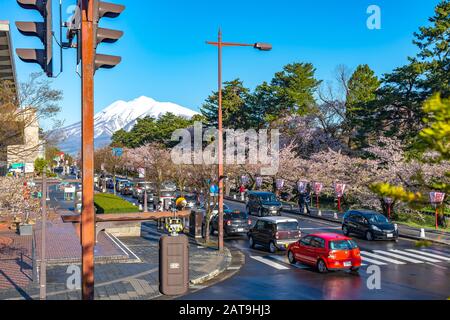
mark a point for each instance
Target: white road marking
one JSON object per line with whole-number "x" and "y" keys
{"x": 378, "y": 263}
{"x": 335, "y": 228}
{"x": 415, "y": 255}
{"x": 111, "y": 236}
{"x": 285, "y": 260}
{"x": 398, "y": 256}
{"x": 436, "y": 251}
{"x": 429, "y": 254}
{"x": 270, "y": 263}
{"x": 376, "y": 256}
{"x": 437, "y": 266}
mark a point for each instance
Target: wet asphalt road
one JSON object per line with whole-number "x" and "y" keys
{"x": 422, "y": 274}
{"x": 265, "y": 276}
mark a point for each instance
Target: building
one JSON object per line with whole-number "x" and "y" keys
{"x": 19, "y": 128}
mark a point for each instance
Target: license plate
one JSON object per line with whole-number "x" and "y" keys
{"x": 390, "y": 235}
{"x": 274, "y": 212}
{"x": 347, "y": 264}
{"x": 240, "y": 230}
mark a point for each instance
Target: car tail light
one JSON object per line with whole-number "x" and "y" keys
{"x": 357, "y": 253}
{"x": 228, "y": 223}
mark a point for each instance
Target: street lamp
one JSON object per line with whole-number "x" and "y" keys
{"x": 220, "y": 44}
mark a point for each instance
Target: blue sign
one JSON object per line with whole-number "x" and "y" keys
{"x": 117, "y": 152}
{"x": 214, "y": 189}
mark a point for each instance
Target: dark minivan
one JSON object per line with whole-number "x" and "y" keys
{"x": 274, "y": 233}
{"x": 263, "y": 204}
{"x": 369, "y": 224}
{"x": 235, "y": 223}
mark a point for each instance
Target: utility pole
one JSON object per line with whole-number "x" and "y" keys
{"x": 43, "y": 273}
{"x": 88, "y": 213}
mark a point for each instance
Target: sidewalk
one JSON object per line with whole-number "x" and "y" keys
{"x": 128, "y": 281}
{"x": 437, "y": 236}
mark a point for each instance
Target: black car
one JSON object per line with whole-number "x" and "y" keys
{"x": 127, "y": 189}
{"x": 274, "y": 233}
{"x": 234, "y": 223}
{"x": 369, "y": 224}
{"x": 263, "y": 204}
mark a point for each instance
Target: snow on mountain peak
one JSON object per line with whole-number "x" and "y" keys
{"x": 119, "y": 115}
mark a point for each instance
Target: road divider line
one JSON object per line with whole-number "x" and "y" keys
{"x": 269, "y": 263}
{"x": 430, "y": 254}
{"x": 415, "y": 255}
{"x": 398, "y": 256}
{"x": 376, "y": 256}
{"x": 284, "y": 260}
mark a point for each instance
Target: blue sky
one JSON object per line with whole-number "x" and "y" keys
{"x": 165, "y": 56}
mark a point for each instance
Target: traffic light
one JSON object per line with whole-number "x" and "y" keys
{"x": 42, "y": 30}
{"x": 102, "y": 35}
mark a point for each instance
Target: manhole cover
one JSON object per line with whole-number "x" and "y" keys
{"x": 4, "y": 242}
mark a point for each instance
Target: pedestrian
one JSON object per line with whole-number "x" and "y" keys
{"x": 304, "y": 200}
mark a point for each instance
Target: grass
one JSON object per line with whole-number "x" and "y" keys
{"x": 108, "y": 203}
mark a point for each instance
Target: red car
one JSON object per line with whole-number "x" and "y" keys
{"x": 326, "y": 251}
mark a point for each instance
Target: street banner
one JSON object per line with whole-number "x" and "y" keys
{"x": 436, "y": 199}
{"x": 340, "y": 189}
{"x": 301, "y": 186}
{"x": 280, "y": 184}
{"x": 29, "y": 167}
{"x": 259, "y": 182}
{"x": 318, "y": 187}
{"x": 141, "y": 172}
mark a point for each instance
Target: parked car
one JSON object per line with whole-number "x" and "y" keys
{"x": 369, "y": 224}
{"x": 127, "y": 189}
{"x": 263, "y": 204}
{"x": 150, "y": 198}
{"x": 140, "y": 187}
{"x": 274, "y": 233}
{"x": 235, "y": 223}
{"x": 109, "y": 183}
{"x": 120, "y": 183}
{"x": 169, "y": 186}
{"x": 326, "y": 251}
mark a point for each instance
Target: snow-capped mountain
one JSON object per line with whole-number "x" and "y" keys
{"x": 119, "y": 115}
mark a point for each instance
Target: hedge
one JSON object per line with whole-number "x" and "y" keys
{"x": 108, "y": 203}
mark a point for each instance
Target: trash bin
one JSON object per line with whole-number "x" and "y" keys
{"x": 195, "y": 224}
{"x": 173, "y": 265}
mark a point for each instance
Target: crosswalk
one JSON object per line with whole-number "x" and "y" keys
{"x": 373, "y": 257}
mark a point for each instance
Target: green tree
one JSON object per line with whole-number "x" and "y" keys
{"x": 40, "y": 164}
{"x": 235, "y": 111}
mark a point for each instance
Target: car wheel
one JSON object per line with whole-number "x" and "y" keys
{"x": 345, "y": 231}
{"x": 251, "y": 242}
{"x": 291, "y": 258}
{"x": 369, "y": 236}
{"x": 322, "y": 267}
{"x": 272, "y": 247}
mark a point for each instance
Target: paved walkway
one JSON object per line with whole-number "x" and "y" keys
{"x": 128, "y": 281}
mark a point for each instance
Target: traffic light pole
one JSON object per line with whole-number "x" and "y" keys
{"x": 43, "y": 273}
{"x": 88, "y": 213}
{"x": 220, "y": 145}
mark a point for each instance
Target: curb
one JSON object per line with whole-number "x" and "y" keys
{"x": 337, "y": 222}
{"x": 215, "y": 272}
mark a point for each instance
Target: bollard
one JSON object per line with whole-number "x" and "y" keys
{"x": 140, "y": 207}
{"x": 335, "y": 216}
{"x": 422, "y": 234}
{"x": 320, "y": 213}
{"x": 234, "y": 197}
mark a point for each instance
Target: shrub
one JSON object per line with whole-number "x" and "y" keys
{"x": 108, "y": 203}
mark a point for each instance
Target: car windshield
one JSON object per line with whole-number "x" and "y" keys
{"x": 377, "y": 219}
{"x": 343, "y": 245}
{"x": 287, "y": 226}
{"x": 268, "y": 198}
{"x": 236, "y": 215}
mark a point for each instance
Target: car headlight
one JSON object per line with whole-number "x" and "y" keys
{"x": 396, "y": 227}
{"x": 376, "y": 228}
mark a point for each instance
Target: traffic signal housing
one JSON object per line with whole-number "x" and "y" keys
{"x": 42, "y": 30}
{"x": 102, "y": 35}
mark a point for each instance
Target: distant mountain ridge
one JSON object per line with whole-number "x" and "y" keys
{"x": 119, "y": 115}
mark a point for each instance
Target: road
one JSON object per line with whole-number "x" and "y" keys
{"x": 420, "y": 274}
{"x": 407, "y": 274}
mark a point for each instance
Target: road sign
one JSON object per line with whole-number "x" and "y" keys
{"x": 259, "y": 182}
{"x": 301, "y": 186}
{"x": 29, "y": 167}
{"x": 280, "y": 184}
{"x": 318, "y": 187}
{"x": 117, "y": 152}
{"x": 340, "y": 189}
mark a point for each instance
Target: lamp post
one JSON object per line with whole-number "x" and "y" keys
{"x": 220, "y": 44}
